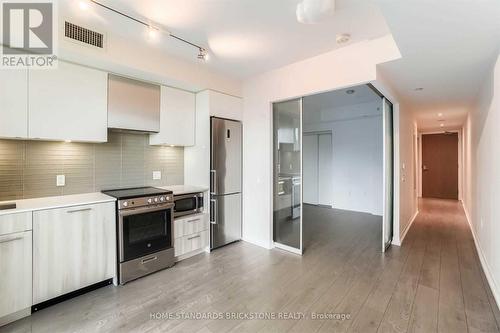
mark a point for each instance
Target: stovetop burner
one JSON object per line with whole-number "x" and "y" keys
{"x": 137, "y": 192}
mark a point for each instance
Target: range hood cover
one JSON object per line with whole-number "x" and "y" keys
{"x": 133, "y": 105}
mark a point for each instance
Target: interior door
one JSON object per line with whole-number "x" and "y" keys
{"x": 325, "y": 179}
{"x": 388, "y": 174}
{"x": 310, "y": 163}
{"x": 287, "y": 175}
{"x": 440, "y": 166}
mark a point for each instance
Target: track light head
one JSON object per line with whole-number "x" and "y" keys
{"x": 203, "y": 54}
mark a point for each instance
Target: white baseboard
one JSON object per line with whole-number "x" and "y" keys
{"x": 258, "y": 243}
{"x": 403, "y": 234}
{"x": 482, "y": 259}
{"x": 287, "y": 248}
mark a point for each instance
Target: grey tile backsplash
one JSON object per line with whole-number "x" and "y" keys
{"x": 28, "y": 169}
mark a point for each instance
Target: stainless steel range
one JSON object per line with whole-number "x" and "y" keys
{"x": 144, "y": 231}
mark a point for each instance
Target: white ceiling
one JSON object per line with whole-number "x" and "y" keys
{"x": 447, "y": 47}
{"x": 339, "y": 98}
{"x": 245, "y": 37}
{"x": 338, "y": 105}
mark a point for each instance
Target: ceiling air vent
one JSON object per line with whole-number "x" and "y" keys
{"x": 83, "y": 35}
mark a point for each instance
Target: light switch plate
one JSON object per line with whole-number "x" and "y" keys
{"x": 60, "y": 180}
{"x": 156, "y": 175}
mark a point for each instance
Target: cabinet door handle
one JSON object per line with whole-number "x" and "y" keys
{"x": 79, "y": 210}
{"x": 10, "y": 239}
{"x": 193, "y": 220}
{"x": 197, "y": 236}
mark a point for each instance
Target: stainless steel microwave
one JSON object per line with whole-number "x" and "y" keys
{"x": 187, "y": 204}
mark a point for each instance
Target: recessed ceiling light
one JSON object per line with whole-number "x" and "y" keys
{"x": 419, "y": 89}
{"x": 442, "y": 125}
{"x": 440, "y": 114}
{"x": 350, "y": 91}
{"x": 68, "y": 141}
{"x": 343, "y": 38}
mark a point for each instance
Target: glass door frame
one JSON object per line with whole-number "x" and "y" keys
{"x": 389, "y": 189}
{"x": 278, "y": 245}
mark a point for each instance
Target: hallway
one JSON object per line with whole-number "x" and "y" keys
{"x": 442, "y": 281}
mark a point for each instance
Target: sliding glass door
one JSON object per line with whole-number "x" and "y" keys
{"x": 388, "y": 174}
{"x": 287, "y": 175}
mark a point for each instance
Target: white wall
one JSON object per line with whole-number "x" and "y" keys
{"x": 405, "y": 154}
{"x": 348, "y": 66}
{"x": 482, "y": 175}
{"x": 357, "y": 164}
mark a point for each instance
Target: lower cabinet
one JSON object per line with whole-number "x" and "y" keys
{"x": 191, "y": 235}
{"x": 15, "y": 276}
{"x": 73, "y": 248}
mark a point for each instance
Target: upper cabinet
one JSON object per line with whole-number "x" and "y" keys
{"x": 225, "y": 106}
{"x": 14, "y": 103}
{"x": 177, "y": 118}
{"x": 133, "y": 105}
{"x": 68, "y": 103}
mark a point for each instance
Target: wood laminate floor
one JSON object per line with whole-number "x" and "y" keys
{"x": 433, "y": 283}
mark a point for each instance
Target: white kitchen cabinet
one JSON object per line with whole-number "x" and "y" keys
{"x": 73, "y": 248}
{"x": 225, "y": 106}
{"x": 191, "y": 235}
{"x": 15, "y": 277}
{"x": 177, "y": 118}
{"x": 68, "y": 103}
{"x": 191, "y": 243}
{"x": 14, "y": 103}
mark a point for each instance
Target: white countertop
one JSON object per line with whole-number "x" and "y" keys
{"x": 184, "y": 189}
{"x": 26, "y": 205}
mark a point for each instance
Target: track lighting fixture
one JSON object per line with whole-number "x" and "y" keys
{"x": 153, "y": 30}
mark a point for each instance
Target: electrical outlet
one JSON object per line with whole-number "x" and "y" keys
{"x": 156, "y": 175}
{"x": 60, "y": 180}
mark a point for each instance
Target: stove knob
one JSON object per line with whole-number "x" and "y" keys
{"x": 125, "y": 204}
{"x": 162, "y": 198}
{"x": 156, "y": 199}
{"x": 150, "y": 201}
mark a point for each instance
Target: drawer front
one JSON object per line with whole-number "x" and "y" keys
{"x": 195, "y": 224}
{"x": 178, "y": 247}
{"x": 178, "y": 228}
{"x": 15, "y": 222}
{"x": 194, "y": 242}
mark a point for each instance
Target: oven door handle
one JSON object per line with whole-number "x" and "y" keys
{"x": 140, "y": 210}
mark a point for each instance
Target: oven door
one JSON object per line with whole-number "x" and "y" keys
{"x": 143, "y": 231}
{"x": 185, "y": 204}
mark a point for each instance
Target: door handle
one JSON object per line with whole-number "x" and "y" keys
{"x": 10, "y": 239}
{"x": 213, "y": 181}
{"x": 193, "y": 237}
{"x": 425, "y": 168}
{"x": 79, "y": 210}
{"x": 213, "y": 211}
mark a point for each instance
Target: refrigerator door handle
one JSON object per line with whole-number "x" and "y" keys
{"x": 213, "y": 211}
{"x": 213, "y": 181}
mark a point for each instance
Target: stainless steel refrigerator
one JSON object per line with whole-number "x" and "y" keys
{"x": 225, "y": 181}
